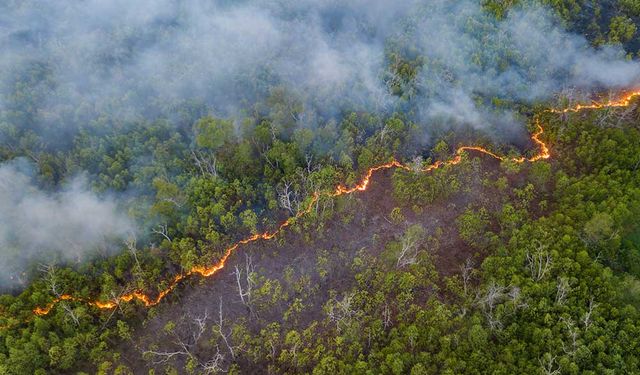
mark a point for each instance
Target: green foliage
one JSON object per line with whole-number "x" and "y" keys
{"x": 213, "y": 133}
{"x": 621, "y": 29}
{"x": 631, "y": 7}
{"x": 472, "y": 226}
{"x": 556, "y": 243}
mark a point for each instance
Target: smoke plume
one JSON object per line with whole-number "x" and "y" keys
{"x": 68, "y": 225}
{"x": 136, "y": 59}
{"x": 471, "y": 58}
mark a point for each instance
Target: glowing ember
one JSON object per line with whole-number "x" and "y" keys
{"x": 207, "y": 271}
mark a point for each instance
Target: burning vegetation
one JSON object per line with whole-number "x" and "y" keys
{"x": 208, "y": 271}
{"x": 357, "y": 187}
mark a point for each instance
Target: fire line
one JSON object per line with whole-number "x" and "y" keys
{"x": 208, "y": 271}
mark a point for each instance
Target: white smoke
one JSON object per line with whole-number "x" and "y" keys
{"x": 130, "y": 59}
{"x": 67, "y": 225}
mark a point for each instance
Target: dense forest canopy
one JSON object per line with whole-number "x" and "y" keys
{"x": 141, "y": 142}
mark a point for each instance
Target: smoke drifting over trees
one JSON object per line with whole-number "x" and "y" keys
{"x": 128, "y": 60}
{"x": 67, "y": 225}
{"x": 69, "y": 65}
{"x": 526, "y": 57}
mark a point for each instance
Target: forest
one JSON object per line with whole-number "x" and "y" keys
{"x": 321, "y": 187}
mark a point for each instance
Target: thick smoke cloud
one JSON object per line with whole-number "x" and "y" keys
{"x": 526, "y": 57}
{"x": 133, "y": 59}
{"x": 67, "y": 226}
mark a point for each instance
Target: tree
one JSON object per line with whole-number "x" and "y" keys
{"x": 539, "y": 261}
{"x": 472, "y": 226}
{"x": 621, "y": 29}
{"x": 411, "y": 241}
{"x": 245, "y": 287}
{"x": 212, "y": 133}
{"x": 186, "y": 340}
{"x": 249, "y": 220}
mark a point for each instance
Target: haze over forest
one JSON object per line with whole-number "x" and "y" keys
{"x": 114, "y": 62}
{"x": 143, "y": 140}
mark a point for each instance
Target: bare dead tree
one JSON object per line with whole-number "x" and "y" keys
{"x": 310, "y": 168}
{"x": 51, "y": 279}
{"x": 625, "y": 115}
{"x": 201, "y": 325}
{"x": 383, "y": 132}
{"x": 263, "y": 148}
{"x": 586, "y": 318}
{"x": 495, "y": 295}
{"x": 175, "y": 201}
{"x": 207, "y": 163}
{"x": 224, "y": 335}
{"x": 304, "y": 178}
{"x": 186, "y": 345}
{"x": 70, "y": 313}
{"x": 562, "y": 290}
{"x": 514, "y": 298}
{"x": 394, "y": 79}
{"x": 572, "y": 332}
{"x": 594, "y": 241}
{"x": 569, "y": 94}
{"x": 130, "y": 242}
{"x": 604, "y": 115}
{"x": 410, "y": 242}
{"x": 294, "y": 116}
{"x": 342, "y": 312}
{"x": 289, "y": 198}
{"x": 466, "y": 272}
{"x": 293, "y": 191}
{"x": 273, "y": 350}
{"x": 249, "y": 282}
{"x": 164, "y": 356}
{"x": 308, "y": 186}
{"x": 408, "y": 255}
{"x": 284, "y": 197}
{"x": 386, "y": 316}
{"x": 49, "y": 276}
{"x": 162, "y": 230}
{"x": 116, "y": 298}
{"x": 548, "y": 364}
{"x": 214, "y": 365}
{"x": 568, "y": 97}
{"x": 539, "y": 262}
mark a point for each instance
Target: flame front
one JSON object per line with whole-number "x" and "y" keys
{"x": 622, "y": 101}
{"x": 208, "y": 271}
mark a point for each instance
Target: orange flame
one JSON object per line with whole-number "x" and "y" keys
{"x": 207, "y": 271}
{"x": 622, "y": 101}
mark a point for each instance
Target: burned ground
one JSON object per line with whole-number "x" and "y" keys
{"x": 310, "y": 262}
